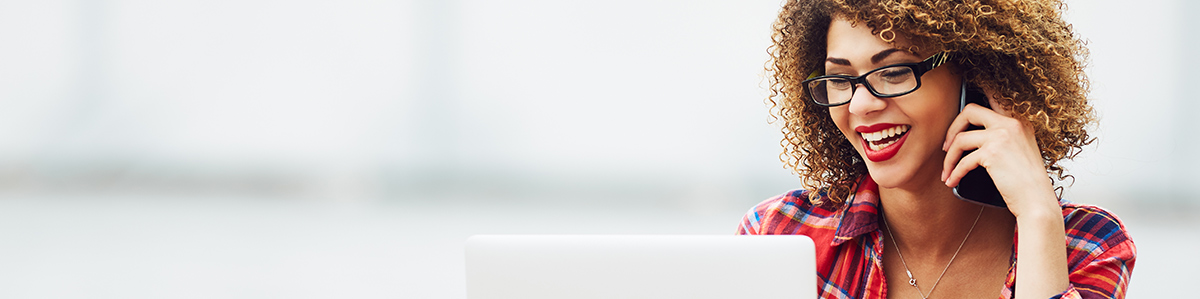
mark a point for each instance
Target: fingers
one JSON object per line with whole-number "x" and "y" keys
{"x": 968, "y": 163}
{"x": 972, "y": 114}
{"x": 963, "y": 142}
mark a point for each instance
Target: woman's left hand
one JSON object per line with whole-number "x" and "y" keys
{"x": 1008, "y": 149}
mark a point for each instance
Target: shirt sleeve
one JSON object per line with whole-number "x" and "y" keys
{"x": 1070, "y": 293}
{"x": 750, "y": 223}
{"x": 1106, "y": 258}
{"x": 1106, "y": 276}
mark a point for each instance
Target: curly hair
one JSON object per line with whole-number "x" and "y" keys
{"x": 1022, "y": 51}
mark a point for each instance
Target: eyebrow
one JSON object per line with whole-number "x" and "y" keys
{"x": 874, "y": 58}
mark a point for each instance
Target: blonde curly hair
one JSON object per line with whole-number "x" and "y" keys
{"x": 1022, "y": 51}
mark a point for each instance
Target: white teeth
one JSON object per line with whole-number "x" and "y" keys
{"x": 875, "y": 146}
{"x": 874, "y": 137}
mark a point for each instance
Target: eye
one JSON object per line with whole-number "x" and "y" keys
{"x": 896, "y": 75}
{"x": 837, "y": 84}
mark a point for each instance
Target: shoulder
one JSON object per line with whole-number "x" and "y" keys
{"x": 1092, "y": 228}
{"x": 1100, "y": 252}
{"x": 1096, "y": 234}
{"x": 789, "y": 214}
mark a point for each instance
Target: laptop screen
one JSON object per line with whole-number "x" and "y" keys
{"x": 639, "y": 266}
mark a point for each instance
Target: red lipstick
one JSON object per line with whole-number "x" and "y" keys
{"x": 873, "y": 128}
{"x": 882, "y": 154}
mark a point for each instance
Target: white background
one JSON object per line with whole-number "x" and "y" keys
{"x": 346, "y": 148}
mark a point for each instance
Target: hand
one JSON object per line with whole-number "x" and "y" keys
{"x": 1008, "y": 149}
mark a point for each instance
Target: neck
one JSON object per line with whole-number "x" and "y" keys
{"x": 928, "y": 218}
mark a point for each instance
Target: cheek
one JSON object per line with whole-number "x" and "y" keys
{"x": 841, "y": 117}
{"x": 938, "y": 105}
{"x": 949, "y": 107}
{"x": 936, "y": 116}
{"x": 838, "y": 115}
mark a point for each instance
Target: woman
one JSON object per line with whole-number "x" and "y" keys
{"x": 869, "y": 96}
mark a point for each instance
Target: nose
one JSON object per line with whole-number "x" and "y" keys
{"x": 863, "y": 102}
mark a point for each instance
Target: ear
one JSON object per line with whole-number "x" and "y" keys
{"x": 991, "y": 95}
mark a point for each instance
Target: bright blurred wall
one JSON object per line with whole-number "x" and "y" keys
{"x": 524, "y": 100}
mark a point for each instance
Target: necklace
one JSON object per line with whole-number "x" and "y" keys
{"x": 913, "y": 281}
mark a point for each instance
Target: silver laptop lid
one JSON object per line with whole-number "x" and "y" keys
{"x": 639, "y": 266}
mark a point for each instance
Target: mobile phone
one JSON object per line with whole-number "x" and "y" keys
{"x": 977, "y": 186}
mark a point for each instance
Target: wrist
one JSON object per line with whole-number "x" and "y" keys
{"x": 1043, "y": 217}
{"x": 1041, "y": 250}
{"x": 1037, "y": 206}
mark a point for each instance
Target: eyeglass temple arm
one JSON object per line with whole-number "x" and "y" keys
{"x": 934, "y": 61}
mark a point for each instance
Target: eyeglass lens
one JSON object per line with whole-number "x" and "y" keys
{"x": 885, "y": 82}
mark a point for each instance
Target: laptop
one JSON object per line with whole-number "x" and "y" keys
{"x": 640, "y": 266}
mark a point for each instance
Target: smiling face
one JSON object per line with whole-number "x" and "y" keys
{"x": 901, "y": 137}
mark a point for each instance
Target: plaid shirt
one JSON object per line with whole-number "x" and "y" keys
{"x": 1100, "y": 254}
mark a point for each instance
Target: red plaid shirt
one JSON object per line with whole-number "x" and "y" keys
{"x": 1100, "y": 253}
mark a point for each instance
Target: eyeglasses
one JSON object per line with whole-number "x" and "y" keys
{"x": 885, "y": 82}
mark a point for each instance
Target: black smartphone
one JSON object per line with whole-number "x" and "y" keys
{"x": 977, "y": 186}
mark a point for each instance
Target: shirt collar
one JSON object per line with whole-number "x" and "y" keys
{"x": 861, "y": 214}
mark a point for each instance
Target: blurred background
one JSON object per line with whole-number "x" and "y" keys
{"x": 317, "y": 149}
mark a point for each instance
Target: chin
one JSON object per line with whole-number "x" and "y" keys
{"x": 901, "y": 172}
{"x": 889, "y": 179}
{"x": 892, "y": 174}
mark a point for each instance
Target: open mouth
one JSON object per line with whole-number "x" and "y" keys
{"x": 879, "y": 140}
{"x": 883, "y": 143}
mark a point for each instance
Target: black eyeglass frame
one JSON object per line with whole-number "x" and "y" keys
{"x": 919, "y": 69}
